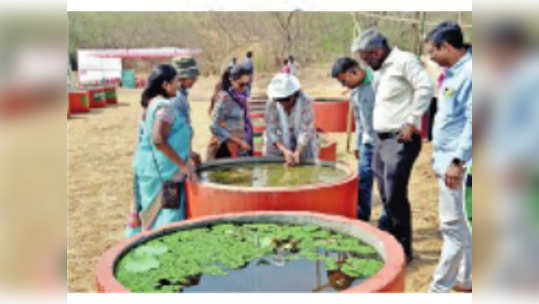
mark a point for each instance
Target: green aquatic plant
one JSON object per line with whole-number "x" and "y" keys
{"x": 356, "y": 267}
{"x": 140, "y": 263}
{"x": 271, "y": 175}
{"x": 176, "y": 261}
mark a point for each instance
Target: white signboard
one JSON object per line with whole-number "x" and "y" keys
{"x": 94, "y": 69}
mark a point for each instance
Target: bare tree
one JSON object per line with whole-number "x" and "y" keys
{"x": 284, "y": 20}
{"x": 312, "y": 37}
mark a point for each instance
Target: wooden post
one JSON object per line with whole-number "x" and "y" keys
{"x": 415, "y": 27}
{"x": 349, "y": 124}
{"x": 422, "y": 31}
{"x": 357, "y": 26}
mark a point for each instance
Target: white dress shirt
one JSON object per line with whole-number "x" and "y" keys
{"x": 403, "y": 91}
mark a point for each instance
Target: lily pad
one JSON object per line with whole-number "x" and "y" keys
{"x": 361, "y": 267}
{"x": 213, "y": 270}
{"x": 331, "y": 264}
{"x": 141, "y": 264}
{"x": 266, "y": 242}
{"x": 154, "y": 249}
{"x": 183, "y": 257}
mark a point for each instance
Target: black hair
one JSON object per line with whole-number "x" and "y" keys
{"x": 385, "y": 45}
{"x": 447, "y": 31}
{"x": 291, "y": 58}
{"x": 249, "y": 54}
{"x": 380, "y": 42}
{"x": 468, "y": 47}
{"x": 287, "y": 98}
{"x": 234, "y": 72}
{"x": 160, "y": 74}
{"x": 225, "y": 78}
{"x": 342, "y": 65}
{"x": 285, "y": 61}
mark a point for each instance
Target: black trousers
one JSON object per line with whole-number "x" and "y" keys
{"x": 431, "y": 112}
{"x": 392, "y": 166}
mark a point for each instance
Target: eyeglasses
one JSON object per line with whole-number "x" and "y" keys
{"x": 243, "y": 84}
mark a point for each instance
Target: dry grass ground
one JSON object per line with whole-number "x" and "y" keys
{"x": 100, "y": 184}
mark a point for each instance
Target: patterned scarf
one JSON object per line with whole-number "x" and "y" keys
{"x": 241, "y": 99}
{"x": 296, "y": 113}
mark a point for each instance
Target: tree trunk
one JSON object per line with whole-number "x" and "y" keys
{"x": 422, "y": 30}
{"x": 415, "y": 31}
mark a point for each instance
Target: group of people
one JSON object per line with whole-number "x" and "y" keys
{"x": 388, "y": 108}
{"x": 289, "y": 118}
{"x": 290, "y": 66}
{"x": 164, "y": 158}
{"x": 389, "y": 96}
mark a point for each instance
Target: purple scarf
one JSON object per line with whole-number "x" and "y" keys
{"x": 241, "y": 99}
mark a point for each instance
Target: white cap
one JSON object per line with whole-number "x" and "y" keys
{"x": 283, "y": 85}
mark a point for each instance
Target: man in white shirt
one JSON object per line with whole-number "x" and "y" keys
{"x": 403, "y": 92}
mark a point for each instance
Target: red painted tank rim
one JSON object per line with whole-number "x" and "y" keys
{"x": 350, "y": 177}
{"x": 256, "y": 114}
{"x": 78, "y": 92}
{"x": 393, "y": 254}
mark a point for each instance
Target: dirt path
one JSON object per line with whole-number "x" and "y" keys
{"x": 100, "y": 186}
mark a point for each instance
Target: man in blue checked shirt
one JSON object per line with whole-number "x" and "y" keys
{"x": 452, "y": 145}
{"x": 347, "y": 71}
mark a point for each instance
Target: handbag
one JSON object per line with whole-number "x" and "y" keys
{"x": 170, "y": 190}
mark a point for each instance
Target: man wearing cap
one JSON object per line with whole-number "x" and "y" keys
{"x": 452, "y": 145}
{"x": 290, "y": 130}
{"x": 188, "y": 74}
{"x": 403, "y": 92}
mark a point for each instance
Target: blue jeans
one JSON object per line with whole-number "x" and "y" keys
{"x": 365, "y": 182}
